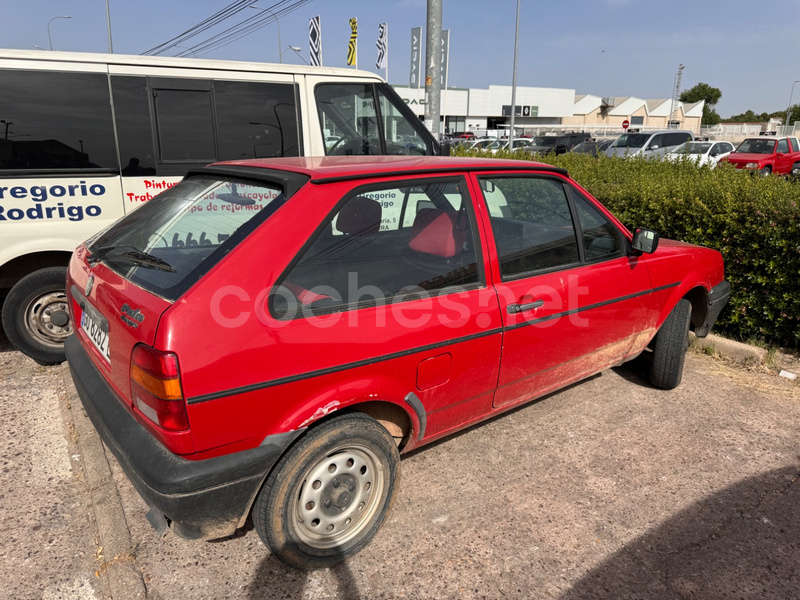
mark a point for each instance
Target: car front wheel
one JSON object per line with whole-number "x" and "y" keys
{"x": 329, "y": 495}
{"x": 669, "y": 347}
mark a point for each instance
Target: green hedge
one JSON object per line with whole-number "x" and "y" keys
{"x": 754, "y": 222}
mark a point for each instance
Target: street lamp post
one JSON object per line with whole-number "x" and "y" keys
{"x": 788, "y": 110}
{"x": 277, "y": 24}
{"x": 49, "y": 37}
{"x": 296, "y": 50}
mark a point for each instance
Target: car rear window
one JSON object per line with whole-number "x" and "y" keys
{"x": 169, "y": 243}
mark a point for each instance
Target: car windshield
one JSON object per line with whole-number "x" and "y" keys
{"x": 544, "y": 140}
{"x": 167, "y": 244}
{"x": 631, "y": 140}
{"x": 756, "y": 146}
{"x": 692, "y": 148}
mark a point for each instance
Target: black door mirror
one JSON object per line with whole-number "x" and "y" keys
{"x": 645, "y": 240}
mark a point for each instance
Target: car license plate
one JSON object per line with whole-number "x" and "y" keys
{"x": 96, "y": 328}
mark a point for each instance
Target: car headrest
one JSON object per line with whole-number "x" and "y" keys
{"x": 436, "y": 232}
{"x": 360, "y": 216}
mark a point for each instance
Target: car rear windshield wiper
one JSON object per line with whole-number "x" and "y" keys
{"x": 133, "y": 254}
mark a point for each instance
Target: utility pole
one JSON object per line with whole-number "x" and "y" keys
{"x": 514, "y": 85}
{"x": 433, "y": 59}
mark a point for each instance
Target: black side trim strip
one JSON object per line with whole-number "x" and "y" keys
{"x": 369, "y": 361}
{"x": 444, "y": 169}
{"x": 359, "y": 363}
{"x": 414, "y": 402}
{"x": 591, "y": 306}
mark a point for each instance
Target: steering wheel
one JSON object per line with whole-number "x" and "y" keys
{"x": 355, "y": 145}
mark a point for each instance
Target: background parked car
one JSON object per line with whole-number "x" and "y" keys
{"x": 767, "y": 156}
{"x": 703, "y": 153}
{"x": 649, "y": 144}
{"x": 559, "y": 144}
{"x": 593, "y": 147}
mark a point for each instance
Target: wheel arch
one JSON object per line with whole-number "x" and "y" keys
{"x": 17, "y": 268}
{"x": 699, "y": 299}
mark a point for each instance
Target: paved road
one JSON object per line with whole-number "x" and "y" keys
{"x": 48, "y": 538}
{"x": 610, "y": 489}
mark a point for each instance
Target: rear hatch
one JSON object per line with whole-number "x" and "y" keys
{"x": 123, "y": 280}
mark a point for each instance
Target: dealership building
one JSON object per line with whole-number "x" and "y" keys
{"x": 540, "y": 110}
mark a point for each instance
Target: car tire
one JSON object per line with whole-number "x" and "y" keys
{"x": 329, "y": 494}
{"x": 766, "y": 171}
{"x": 669, "y": 347}
{"x": 35, "y": 315}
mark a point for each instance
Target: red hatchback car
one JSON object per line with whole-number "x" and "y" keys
{"x": 268, "y": 336}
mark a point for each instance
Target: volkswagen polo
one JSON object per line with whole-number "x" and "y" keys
{"x": 268, "y": 336}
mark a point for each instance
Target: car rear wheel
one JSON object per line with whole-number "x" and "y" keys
{"x": 35, "y": 315}
{"x": 669, "y": 347}
{"x": 329, "y": 495}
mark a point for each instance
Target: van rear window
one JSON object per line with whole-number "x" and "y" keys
{"x": 170, "y": 242}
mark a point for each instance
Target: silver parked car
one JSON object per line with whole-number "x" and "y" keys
{"x": 649, "y": 144}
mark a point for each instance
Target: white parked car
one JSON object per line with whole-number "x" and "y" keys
{"x": 704, "y": 153}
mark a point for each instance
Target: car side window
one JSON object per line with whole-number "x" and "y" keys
{"x": 532, "y": 224}
{"x": 783, "y": 146}
{"x": 600, "y": 238}
{"x": 795, "y": 145}
{"x": 384, "y": 242}
{"x": 656, "y": 142}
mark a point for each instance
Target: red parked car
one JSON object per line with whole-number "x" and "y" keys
{"x": 767, "y": 156}
{"x": 268, "y": 336}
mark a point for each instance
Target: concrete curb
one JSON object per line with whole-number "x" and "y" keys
{"x": 123, "y": 578}
{"x": 730, "y": 349}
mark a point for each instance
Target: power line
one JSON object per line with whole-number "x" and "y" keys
{"x": 207, "y": 23}
{"x": 246, "y": 27}
{"x": 231, "y": 34}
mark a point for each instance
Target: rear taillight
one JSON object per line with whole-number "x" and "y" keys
{"x": 156, "y": 388}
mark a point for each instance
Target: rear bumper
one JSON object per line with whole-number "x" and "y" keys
{"x": 717, "y": 299}
{"x": 203, "y": 499}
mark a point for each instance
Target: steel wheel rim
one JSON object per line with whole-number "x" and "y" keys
{"x": 338, "y": 497}
{"x": 39, "y": 318}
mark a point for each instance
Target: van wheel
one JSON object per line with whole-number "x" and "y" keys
{"x": 328, "y": 496}
{"x": 35, "y": 315}
{"x": 669, "y": 347}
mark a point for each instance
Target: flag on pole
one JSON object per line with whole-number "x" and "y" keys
{"x": 315, "y": 41}
{"x": 352, "y": 49}
{"x": 382, "y": 45}
{"x": 416, "y": 57}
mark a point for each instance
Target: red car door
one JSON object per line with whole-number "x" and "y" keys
{"x": 783, "y": 158}
{"x": 572, "y": 300}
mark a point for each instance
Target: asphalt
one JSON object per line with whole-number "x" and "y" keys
{"x": 609, "y": 489}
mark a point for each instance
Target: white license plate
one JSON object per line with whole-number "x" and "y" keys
{"x": 96, "y": 328}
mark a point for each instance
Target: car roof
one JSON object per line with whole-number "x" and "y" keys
{"x": 335, "y": 168}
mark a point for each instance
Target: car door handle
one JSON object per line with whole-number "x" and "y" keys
{"x": 513, "y": 309}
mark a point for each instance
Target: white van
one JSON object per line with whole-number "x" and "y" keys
{"x": 86, "y": 138}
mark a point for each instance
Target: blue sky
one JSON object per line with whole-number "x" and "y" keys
{"x": 603, "y": 47}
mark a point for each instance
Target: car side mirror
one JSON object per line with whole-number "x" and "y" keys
{"x": 645, "y": 240}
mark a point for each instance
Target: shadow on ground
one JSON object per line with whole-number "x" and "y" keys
{"x": 742, "y": 542}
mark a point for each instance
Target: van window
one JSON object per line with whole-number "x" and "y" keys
{"x": 656, "y": 142}
{"x": 401, "y": 136}
{"x": 348, "y": 112}
{"x": 55, "y": 120}
{"x": 676, "y": 139}
{"x": 185, "y": 125}
{"x": 133, "y": 119}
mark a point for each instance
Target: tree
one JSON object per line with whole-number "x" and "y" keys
{"x": 711, "y": 95}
